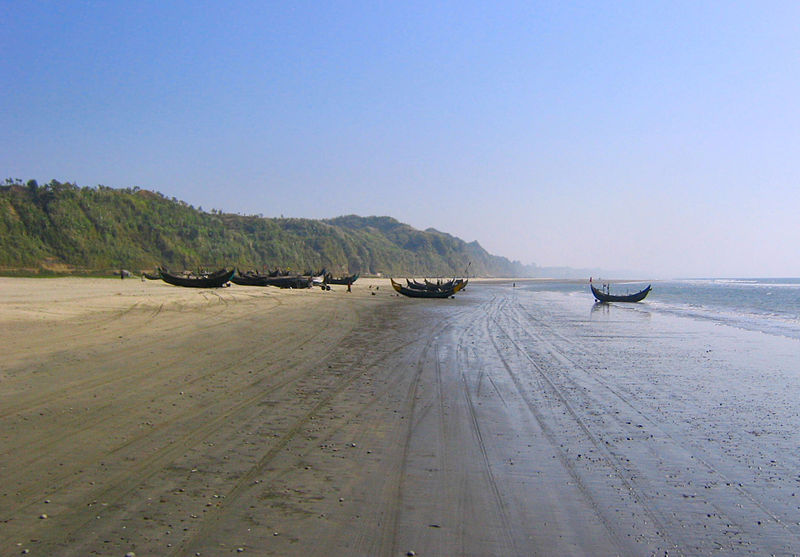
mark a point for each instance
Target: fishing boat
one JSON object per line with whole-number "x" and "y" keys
{"x": 438, "y": 285}
{"x": 292, "y": 281}
{"x": 330, "y": 279}
{"x": 601, "y": 296}
{"x": 249, "y": 279}
{"x": 280, "y": 281}
{"x": 210, "y": 280}
{"x": 426, "y": 293}
{"x": 152, "y": 276}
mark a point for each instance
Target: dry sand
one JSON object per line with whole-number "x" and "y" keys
{"x": 141, "y": 417}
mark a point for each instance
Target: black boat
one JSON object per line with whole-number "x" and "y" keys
{"x": 249, "y": 279}
{"x": 419, "y": 293}
{"x": 152, "y": 276}
{"x": 210, "y": 280}
{"x": 330, "y": 279}
{"x": 606, "y": 297}
{"x": 432, "y": 286}
{"x": 283, "y": 281}
{"x": 292, "y": 281}
{"x": 416, "y": 285}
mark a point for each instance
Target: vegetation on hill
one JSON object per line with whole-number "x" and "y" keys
{"x": 65, "y": 228}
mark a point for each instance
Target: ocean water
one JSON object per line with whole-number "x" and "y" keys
{"x": 769, "y": 305}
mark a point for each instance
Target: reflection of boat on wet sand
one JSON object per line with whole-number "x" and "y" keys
{"x": 601, "y": 296}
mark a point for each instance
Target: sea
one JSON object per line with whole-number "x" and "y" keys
{"x": 769, "y": 305}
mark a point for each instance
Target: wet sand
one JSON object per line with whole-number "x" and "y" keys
{"x": 141, "y": 417}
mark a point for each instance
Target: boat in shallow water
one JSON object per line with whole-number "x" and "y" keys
{"x": 601, "y": 296}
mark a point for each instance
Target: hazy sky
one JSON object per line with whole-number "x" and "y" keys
{"x": 660, "y": 137}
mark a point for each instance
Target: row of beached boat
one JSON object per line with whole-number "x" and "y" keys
{"x": 250, "y": 278}
{"x": 223, "y": 277}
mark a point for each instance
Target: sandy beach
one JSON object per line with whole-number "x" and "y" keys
{"x": 146, "y": 418}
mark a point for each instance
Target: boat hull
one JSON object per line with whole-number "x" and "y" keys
{"x": 415, "y": 293}
{"x": 289, "y": 281}
{"x": 637, "y": 297}
{"x": 342, "y": 280}
{"x": 214, "y": 280}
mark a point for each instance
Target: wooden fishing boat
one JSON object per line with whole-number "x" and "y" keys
{"x": 283, "y": 281}
{"x": 330, "y": 279}
{"x": 294, "y": 281}
{"x": 439, "y": 284}
{"x": 432, "y": 286}
{"x": 416, "y": 285}
{"x": 211, "y": 280}
{"x": 249, "y": 279}
{"x": 418, "y": 293}
{"x": 152, "y": 276}
{"x": 601, "y": 296}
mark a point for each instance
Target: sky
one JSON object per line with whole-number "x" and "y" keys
{"x": 660, "y": 138}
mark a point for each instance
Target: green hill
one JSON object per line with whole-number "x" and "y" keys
{"x": 60, "y": 227}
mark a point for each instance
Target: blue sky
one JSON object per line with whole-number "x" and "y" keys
{"x": 657, "y": 137}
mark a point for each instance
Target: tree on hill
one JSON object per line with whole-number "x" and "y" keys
{"x": 97, "y": 229}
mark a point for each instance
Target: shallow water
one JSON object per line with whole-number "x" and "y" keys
{"x": 768, "y": 305}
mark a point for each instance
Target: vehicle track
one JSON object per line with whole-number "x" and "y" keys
{"x": 592, "y": 384}
{"x": 204, "y": 423}
{"x": 664, "y": 447}
{"x": 548, "y": 430}
{"x": 32, "y": 402}
{"x": 365, "y": 359}
{"x": 414, "y": 414}
{"x": 84, "y": 423}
